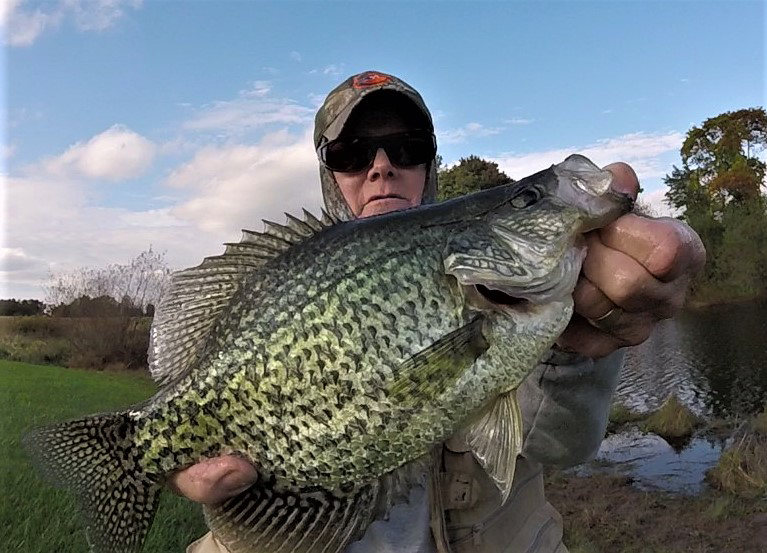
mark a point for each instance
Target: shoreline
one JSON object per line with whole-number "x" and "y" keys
{"x": 606, "y": 514}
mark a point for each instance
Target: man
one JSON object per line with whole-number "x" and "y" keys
{"x": 374, "y": 137}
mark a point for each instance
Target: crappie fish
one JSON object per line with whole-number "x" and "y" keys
{"x": 334, "y": 356}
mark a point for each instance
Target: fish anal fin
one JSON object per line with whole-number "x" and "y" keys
{"x": 495, "y": 439}
{"x": 265, "y": 520}
{"x": 262, "y": 519}
{"x": 432, "y": 370}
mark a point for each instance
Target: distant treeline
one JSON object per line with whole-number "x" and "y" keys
{"x": 14, "y": 308}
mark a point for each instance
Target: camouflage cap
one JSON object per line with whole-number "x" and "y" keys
{"x": 335, "y": 112}
{"x": 339, "y": 104}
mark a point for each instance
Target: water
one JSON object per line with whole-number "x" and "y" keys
{"x": 654, "y": 464}
{"x": 715, "y": 361}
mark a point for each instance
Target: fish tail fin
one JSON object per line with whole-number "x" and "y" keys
{"x": 95, "y": 458}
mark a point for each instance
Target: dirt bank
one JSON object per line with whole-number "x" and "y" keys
{"x": 605, "y": 514}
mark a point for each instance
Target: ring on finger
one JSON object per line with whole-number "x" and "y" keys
{"x": 609, "y": 320}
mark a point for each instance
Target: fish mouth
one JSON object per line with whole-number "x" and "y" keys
{"x": 484, "y": 298}
{"x": 500, "y": 298}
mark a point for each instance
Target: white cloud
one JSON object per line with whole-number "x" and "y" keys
{"x": 518, "y": 121}
{"x": 654, "y": 200}
{"x": 640, "y": 150}
{"x": 14, "y": 259}
{"x": 296, "y": 56}
{"x": 218, "y": 191}
{"x": 235, "y": 186}
{"x": 115, "y": 154}
{"x": 470, "y": 130}
{"x": 24, "y": 24}
{"x": 333, "y": 70}
{"x": 253, "y": 108}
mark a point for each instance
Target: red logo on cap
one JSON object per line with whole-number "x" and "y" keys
{"x": 370, "y": 78}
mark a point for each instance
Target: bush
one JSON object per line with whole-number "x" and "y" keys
{"x": 86, "y": 342}
{"x": 26, "y": 349}
{"x": 38, "y": 326}
{"x": 100, "y": 342}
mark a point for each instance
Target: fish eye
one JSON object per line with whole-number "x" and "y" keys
{"x": 526, "y": 198}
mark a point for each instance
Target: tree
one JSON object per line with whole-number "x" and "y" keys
{"x": 722, "y": 154}
{"x": 471, "y": 174}
{"x": 16, "y": 307}
{"x": 718, "y": 190}
{"x": 108, "y": 309}
{"x": 134, "y": 285}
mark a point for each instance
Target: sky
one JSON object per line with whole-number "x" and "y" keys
{"x": 132, "y": 124}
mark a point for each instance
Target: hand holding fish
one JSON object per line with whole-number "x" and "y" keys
{"x": 637, "y": 272}
{"x": 214, "y": 480}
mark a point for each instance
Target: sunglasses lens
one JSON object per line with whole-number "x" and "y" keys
{"x": 346, "y": 157}
{"x": 411, "y": 150}
{"x": 403, "y": 149}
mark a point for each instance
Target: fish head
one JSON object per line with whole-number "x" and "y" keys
{"x": 526, "y": 242}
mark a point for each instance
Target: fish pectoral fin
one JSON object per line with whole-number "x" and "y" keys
{"x": 431, "y": 371}
{"x": 495, "y": 440}
{"x": 264, "y": 520}
{"x": 91, "y": 457}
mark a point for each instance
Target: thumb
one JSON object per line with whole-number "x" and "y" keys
{"x": 625, "y": 180}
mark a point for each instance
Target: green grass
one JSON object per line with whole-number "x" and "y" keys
{"x": 37, "y": 518}
{"x": 673, "y": 420}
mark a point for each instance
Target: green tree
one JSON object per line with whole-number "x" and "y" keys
{"x": 723, "y": 155}
{"x": 471, "y": 174}
{"x": 718, "y": 190}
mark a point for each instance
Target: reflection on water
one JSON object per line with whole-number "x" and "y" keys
{"x": 653, "y": 463}
{"x": 714, "y": 359}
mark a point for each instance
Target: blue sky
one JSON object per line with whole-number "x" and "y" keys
{"x": 175, "y": 124}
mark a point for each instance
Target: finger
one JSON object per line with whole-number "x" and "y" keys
{"x": 590, "y": 302}
{"x": 583, "y": 338}
{"x": 621, "y": 278}
{"x": 214, "y": 480}
{"x": 624, "y": 179}
{"x": 666, "y": 247}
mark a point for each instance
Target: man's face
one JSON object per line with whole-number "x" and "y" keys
{"x": 382, "y": 186}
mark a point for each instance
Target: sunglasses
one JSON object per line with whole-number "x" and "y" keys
{"x": 404, "y": 149}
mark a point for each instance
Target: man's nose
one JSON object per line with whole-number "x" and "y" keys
{"x": 382, "y": 166}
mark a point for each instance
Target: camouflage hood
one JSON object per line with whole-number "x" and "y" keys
{"x": 335, "y": 112}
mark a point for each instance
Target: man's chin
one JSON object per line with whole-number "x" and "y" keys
{"x": 384, "y": 205}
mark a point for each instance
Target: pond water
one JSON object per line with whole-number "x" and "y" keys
{"x": 715, "y": 361}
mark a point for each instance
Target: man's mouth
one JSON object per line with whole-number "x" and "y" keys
{"x": 385, "y": 197}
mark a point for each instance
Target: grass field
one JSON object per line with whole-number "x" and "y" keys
{"x": 37, "y": 518}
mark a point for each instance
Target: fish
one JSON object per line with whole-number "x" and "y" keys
{"x": 335, "y": 356}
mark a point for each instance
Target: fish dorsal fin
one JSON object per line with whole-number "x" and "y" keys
{"x": 196, "y": 296}
{"x": 269, "y": 521}
{"x": 495, "y": 440}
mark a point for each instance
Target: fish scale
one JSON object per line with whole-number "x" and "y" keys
{"x": 333, "y": 356}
